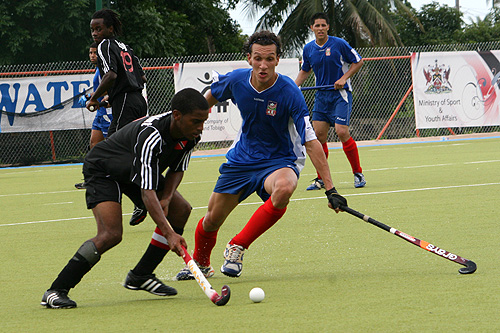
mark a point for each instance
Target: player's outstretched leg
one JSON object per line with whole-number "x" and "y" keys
{"x": 204, "y": 243}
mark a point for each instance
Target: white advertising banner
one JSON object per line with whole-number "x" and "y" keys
{"x": 224, "y": 120}
{"x": 456, "y": 89}
{"x": 44, "y": 103}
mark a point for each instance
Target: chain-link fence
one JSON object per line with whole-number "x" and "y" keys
{"x": 378, "y": 90}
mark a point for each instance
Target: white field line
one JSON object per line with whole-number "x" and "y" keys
{"x": 259, "y": 202}
{"x": 213, "y": 181}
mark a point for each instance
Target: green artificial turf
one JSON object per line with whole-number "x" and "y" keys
{"x": 320, "y": 271}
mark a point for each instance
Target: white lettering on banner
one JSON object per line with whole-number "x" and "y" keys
{"x": 21, "y": 97}
{"x": 456, "y": 89}
{"x": 224, "y": 120}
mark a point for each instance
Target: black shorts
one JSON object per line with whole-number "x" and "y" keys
{"x": 126, "y": 108}
{"x": 103, "y": 188}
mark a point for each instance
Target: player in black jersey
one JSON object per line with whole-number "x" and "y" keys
{"x": 122, "y": 78}
{"x": 132, "y": 162}
{"x": 122, "y": 75}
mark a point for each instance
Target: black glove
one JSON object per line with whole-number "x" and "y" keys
{"x": 335, "y": 199}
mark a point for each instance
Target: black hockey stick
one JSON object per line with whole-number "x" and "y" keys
{"x": 470, "y": 266}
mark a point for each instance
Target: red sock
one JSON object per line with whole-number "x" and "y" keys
{"x": 263, "y": 218}
{"x": 325, "y": 149}
{"x": 351, "y": 151}
{"x": 159, "y": 240}
{"x": 204, "y": 242}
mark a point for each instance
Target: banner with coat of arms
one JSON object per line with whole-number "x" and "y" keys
{"x": 456, "y": 89}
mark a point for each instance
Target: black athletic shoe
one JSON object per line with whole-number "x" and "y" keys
{"x": 149, "y": 283}
{"x": 138, "y": 216}
{"x": 57, "y": 299}
{"x": 80, "y": 186}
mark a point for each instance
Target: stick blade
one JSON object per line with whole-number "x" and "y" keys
{"x": 224, "y": 296}
{"x": 469, "y": 269}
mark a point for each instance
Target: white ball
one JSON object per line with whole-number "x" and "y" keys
{"x": 257, "y": 295}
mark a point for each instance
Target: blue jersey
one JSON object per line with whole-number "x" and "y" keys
{"x": 275, "y": 121}
{"x": 97, "y": 80}
{"x": 330, "y": 61}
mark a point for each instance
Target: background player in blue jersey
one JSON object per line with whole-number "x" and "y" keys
{"x": 103, "y": 115}
{"x": 333, "y": 62}
{"x": 103, "y": 118}
{"x": 266, "y": 157}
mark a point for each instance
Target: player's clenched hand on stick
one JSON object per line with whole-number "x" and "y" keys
{"x": 335, "y": 200}
{"x": 176, "y": 243}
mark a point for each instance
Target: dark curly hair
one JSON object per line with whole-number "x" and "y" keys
{"x": 263, "y": 37}
{"x": 110, "y": 19}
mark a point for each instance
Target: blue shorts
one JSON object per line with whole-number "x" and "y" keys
{"x": 249, "y": 178}
{"x": 102, "y": 122}
{"x": 333, "y": 106}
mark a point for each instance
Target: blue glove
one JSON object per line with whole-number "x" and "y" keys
{"x": 82, "y": 101}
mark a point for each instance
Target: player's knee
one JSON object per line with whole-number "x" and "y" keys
{"x": 343, "y": 133}
{"x": 212, "y": 222}
{"x": 185, "y": 211}
{"x": 180, "y": 215}
{"x": 282, "y": 194}
{"x": 110, "y": 239}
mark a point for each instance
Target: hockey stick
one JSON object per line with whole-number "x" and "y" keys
{"x": 317, "y": 87}
{"x": 470, "y": 266}
{"x": 217, "y": 299}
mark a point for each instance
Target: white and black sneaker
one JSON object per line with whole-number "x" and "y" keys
{"x": 149, "y": 283}
{"x": 57, "y": 299}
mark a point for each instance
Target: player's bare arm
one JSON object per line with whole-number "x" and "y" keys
{"x": 210, "y": 98}
{"x": 150, "y": 199}
{"x": 301, "y": 77}
{"x": 172, "y": 181}
{"x": 353, "y": 69}
{"x": 106, "y": 83}
{"x": 318, "y": 159}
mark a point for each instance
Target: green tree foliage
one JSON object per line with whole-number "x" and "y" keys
{"x": 360, "y": 22}
{"x": 38, "y": 31}
{"x": 41, "y": 31}
{"x": 441, "y": 25}
{"x": 485, "y": 30}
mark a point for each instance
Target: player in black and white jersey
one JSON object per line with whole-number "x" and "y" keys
{"x": 132, "y": 162}
{"x": 122, "y": 75}
{"x": 122, "y": 78}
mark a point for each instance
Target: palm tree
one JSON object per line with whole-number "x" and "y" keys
{"x": 360, "y": 22}
{"x": 494, "y": 3}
